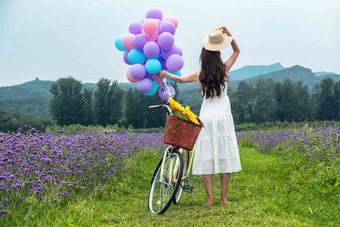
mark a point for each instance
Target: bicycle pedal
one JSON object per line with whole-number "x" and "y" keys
{"x": 188, "y": 188}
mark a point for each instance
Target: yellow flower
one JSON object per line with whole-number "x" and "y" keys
{"x": 190, "y": 115}
{"x": 175, "y": 105}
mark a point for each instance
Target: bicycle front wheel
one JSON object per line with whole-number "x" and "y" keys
{"x": 164, "y": 187}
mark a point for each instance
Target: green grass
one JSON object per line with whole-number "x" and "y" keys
{"x": 263, "y": 193}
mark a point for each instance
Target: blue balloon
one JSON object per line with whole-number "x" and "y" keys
{"x": 153, "y": 89}
{"x": 153, "y": 66}
{"x": 136, "y": 56}
{"x": 119, "y": 44}
{"x": 178, "y": 73}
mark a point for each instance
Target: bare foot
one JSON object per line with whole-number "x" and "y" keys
{"x": 207, "y": 203}
{"x": 225, "y": 201}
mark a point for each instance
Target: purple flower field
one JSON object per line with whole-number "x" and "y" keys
{"x": 35, "y": 164}
{"x": 319, "y": 147}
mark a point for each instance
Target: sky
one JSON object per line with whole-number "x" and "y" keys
{"x": 51, "y": 39}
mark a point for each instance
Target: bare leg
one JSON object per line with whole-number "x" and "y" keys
{"x": 225, "y": 180}
{"x": 208, "y": 181}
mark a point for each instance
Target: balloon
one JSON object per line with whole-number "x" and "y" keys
{"x": 166, "y": 91}
{"x": 153, "y": 66}
{"x": 136, "y": 27}
{"x": 174, "y": 50}
{"x": 136, "y": 56}
{"x": 153, "y": 89}
{"x": 167, "y": 26}
{"x": 151, "y": 49}
{"x": 163, "y": 63}
{"x": 172, "y": 19}
{"x": 159, "y": 22}
{"x": 152, "y": 37}
{"x": 165, "y": 40}
{"x": 130, "y": 78}
{"x": 174, "y": 63}
{"x": 148, "y": 75}
{"x": 137, "y": 71}
{"x": 119, "y": 44}
{"x": 125, "y": 57}
{"x": 154, "y": 13}
{"x": 127, "y": 41}
{"x": 158, "y": 80}
{"x": 150, "y": 26}
{"x": 144, "y": 85}
{"x": 139, "y": 41}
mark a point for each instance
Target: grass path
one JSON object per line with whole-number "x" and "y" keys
{"x": 259, "y": 195}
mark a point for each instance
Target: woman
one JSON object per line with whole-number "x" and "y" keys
{"x": 216, "y": 148}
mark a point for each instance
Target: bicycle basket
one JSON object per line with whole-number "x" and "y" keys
{"x": 180, "y": 132}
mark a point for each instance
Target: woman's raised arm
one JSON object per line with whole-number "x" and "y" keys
{"x": 230, "y": 62}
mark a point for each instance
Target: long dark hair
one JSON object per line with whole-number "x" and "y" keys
{"x": 212, "y": 74}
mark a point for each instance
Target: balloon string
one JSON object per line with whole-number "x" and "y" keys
{"x": 168, "y": 92}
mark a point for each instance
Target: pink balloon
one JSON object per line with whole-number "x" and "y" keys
{"x": 128, "y": 41}
{"x": 158, "y": 80}
{"x": 150, "y": 26}
{"x": 152, "y": 37}
{"x": 130, "y": 78}
{"x": 171, "y": 19}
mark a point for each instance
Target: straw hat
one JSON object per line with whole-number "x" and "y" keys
{"x": 216, "y": 40}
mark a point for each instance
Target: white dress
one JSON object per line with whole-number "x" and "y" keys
{"x": 216, "y": 149}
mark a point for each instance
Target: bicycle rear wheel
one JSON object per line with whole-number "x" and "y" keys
{"x": 163, "y": 188}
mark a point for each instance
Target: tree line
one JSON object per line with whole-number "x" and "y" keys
{"x": 107, "y": 105}
{"x": 269, "y": 101}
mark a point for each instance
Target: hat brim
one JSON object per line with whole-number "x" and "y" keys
{"x": 216, "y": 47}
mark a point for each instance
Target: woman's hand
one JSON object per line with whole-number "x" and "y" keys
{"x": 225, "y": 30}
{"x": 162, "y": 73}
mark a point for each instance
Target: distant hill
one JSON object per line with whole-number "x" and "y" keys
{"x": 334, "y": 76}
{"x": 253, "y": 70}
{"x": 295, "y": 73}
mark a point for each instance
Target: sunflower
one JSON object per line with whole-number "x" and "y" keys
{"x": 190, "y": 115}
{"x": 176, "y": 105}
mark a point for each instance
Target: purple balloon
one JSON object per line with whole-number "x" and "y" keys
{"x": 154, "y": 13}
{"x": 165, "y": 40}
{"x": 151, "y": 49}
{"x": 137, "y": 71}
{"x": 139, "y": 41}
{"x": 167, "y": 26}
{"x": 125, "y": 57}
{"x": 174, "y": 50}
{"x": 163, "y": 63}
{"x": 144, "y": 85}
{"x": 148, "y": 75}
{"x": 136, "y": 27}
{"x": 166, "y": 91}
{"x": 174, "y": 63}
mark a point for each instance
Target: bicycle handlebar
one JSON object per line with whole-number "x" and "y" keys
{"x": 160, "y": 106}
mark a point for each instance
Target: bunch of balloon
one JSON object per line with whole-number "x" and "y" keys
{"x": 149, "y": 48}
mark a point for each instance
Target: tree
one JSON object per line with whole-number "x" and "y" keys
{"x": 264, "y": 103}
{"x": 337, "y": 99}
{"x": 134, "y": 112}
{"x": 326, "y": 100}
{"x": 67, "y": 104}
{"x": 108, "y": 102}
{"x": 89, "y": 117}
{"x": 243, "y": 103}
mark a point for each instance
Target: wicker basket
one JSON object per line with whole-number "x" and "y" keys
{"x": 180, "y": 132}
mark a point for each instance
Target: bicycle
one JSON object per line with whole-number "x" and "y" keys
{"x": 171, "y": 176}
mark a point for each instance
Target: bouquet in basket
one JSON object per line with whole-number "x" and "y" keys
{"x": 182, "y": 112}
